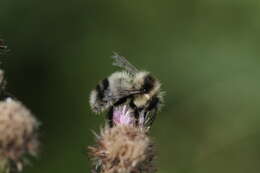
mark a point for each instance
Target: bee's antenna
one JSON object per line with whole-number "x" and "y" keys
{"x": 122, "y": 62}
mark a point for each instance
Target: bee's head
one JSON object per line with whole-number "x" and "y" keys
{"x": 146, "y": 83}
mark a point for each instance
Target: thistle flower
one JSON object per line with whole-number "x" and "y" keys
{"x": 123, "y": 115}
{"x": 18, "y": 129}
{"x": 123, "y": 149}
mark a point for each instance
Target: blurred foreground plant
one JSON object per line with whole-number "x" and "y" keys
{"x": 18, "y": 129}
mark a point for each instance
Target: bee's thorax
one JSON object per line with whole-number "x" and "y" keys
{"x": 141, "y": 100}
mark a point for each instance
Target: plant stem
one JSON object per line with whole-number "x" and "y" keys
{"x": 3, "y": 166}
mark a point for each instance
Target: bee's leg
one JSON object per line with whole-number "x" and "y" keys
{"x": 110, "y": 116}
{"x": 137, "y": 115}
{"x": 136, "y": 111}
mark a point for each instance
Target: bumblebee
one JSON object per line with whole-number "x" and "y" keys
{"x": 137, "y": 90}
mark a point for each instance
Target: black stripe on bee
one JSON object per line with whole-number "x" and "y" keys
{"x": 149, "y": 83}
{"x": 100, "y": 92}
{"x": 136, "y": 111}
{"x": 105, "y": 83}
{"x": 101, "y": 87}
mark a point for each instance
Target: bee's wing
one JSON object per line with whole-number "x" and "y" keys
{"x": 147, "y": 118}
{"x": 122, "y": 62}
{"x": 120, "y": 95}
{"x": 125, "y": 93}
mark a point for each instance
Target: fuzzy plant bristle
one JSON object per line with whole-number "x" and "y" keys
{"x": 123, "y": 149}
{"x": 18, "y": 129}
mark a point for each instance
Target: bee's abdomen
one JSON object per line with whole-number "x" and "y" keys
{"x": 97, "y": 101}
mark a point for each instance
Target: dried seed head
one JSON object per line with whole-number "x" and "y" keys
{"x": 18, "y": 131}
{"x": 123, "y": 149}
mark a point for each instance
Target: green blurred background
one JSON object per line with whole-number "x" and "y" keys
{"x": 205, "y": 52}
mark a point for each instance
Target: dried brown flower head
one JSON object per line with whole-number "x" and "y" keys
{"x": 123, "y": 149}
{"x": 18, "y": 131}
